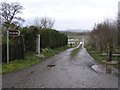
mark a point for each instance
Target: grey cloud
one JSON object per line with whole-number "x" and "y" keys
{"x": 70, "y": 13}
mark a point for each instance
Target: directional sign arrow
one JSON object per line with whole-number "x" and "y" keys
{"x": 14, "y": 32}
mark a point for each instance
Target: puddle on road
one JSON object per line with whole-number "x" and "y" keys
{"x": 107, "y": 69}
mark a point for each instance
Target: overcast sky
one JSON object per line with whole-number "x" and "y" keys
{"x": 69, "y": 14}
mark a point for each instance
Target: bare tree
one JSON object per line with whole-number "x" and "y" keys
{"x": 104, "y": 36}
{"x": 37, "y": 22}
{"x": 9, "y": 13}
{"x": 118, "y": 24}
{"x": 44, "y": 22}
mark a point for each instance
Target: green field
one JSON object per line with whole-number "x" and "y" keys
{"x": 74, "y": 35}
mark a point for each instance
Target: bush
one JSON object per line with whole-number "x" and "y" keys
{"x": 49, "y": 38}
{"x": 30, "y": 35}
{"x": 52, "y": 38}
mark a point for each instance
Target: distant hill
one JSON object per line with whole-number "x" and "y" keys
{"x": 75, "y": 33}
{"x": 75, "y": 30}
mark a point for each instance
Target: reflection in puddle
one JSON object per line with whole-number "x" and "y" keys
{"x": 107, "y": 69}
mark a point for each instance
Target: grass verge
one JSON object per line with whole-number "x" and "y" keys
{"x": 75, "y": 51}
{"x": 96, "y": 55}
{"x": 30, "y": 59}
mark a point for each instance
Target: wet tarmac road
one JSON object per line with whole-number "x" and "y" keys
{"x": 62, "y": 71}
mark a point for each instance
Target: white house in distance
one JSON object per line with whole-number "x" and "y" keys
{"x": 72, "y": 42}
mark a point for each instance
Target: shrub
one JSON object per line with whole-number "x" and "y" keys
{"x": 52, "y": 38}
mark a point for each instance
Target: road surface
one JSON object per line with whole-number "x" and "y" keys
{"x": 62, "y": 71}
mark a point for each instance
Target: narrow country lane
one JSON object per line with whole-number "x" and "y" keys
{"x": 62, "y": 71}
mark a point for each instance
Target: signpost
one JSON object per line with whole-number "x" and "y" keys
{"x": 7, "y": 46}
{"x": 14, "y": 32}
{"x": 11, "y": 33}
